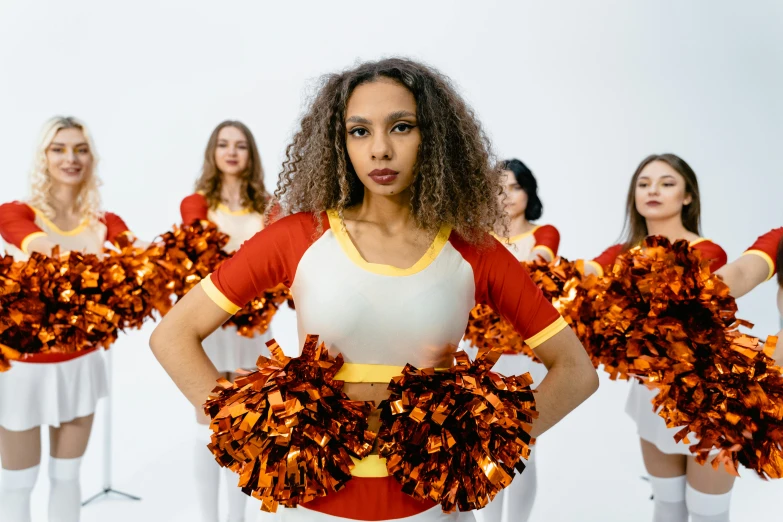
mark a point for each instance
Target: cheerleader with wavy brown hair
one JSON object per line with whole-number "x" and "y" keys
{"x": 230, "y": 193}
{"x": 55, "y": 389}
{"x": 663, "y": 199}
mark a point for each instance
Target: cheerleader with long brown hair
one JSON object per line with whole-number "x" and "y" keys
{"x": 230, "y": 193}
{"x": 663, "y": 199}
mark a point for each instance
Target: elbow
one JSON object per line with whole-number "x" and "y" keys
{"x": 156, "y": 339}
{"x": 592, "y": 381}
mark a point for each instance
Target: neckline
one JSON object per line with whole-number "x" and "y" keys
{"x": 514, "y": 239}
{"x": 224, "y": 208}
{"x": 350, "y": 250}
{"x": 57, "y": 230}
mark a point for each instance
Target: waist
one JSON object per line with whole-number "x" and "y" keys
{"x": 53, "y": 357}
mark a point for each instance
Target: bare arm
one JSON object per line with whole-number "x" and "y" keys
{"x": 744, "y": 274}
{"x": 570, "y": 381}
{"x": 176, "y": 343}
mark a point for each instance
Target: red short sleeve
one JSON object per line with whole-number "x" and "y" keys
{"x": 607, "y": 258}
{"x": 193, "y": 208}
{"x": 265, "y": 261}
{"x": 503, "y": 284}
{"x": 767, "y": 247}
{"x": 115, "y": 226}
{"x": 274, "y": 213}
{"x": 548, "y": 238}
{"x": 17, "y": 225}
{"x": 711, "y": 252}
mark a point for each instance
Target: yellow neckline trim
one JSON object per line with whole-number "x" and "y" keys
{"x": 224, "y": 208}
{"x": 48, "y": 222}
{"x": 335, "y": 224}
{"x": 514, "y": 239}
{"x": 697, "y": 241}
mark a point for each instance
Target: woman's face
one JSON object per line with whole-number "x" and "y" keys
{"x": 68, "y": 157}
{"x": 382, "y": 136}
{"x": 232, "y": 153}
{"x": 660, "y": 192}
{"x": 514, "y": 198}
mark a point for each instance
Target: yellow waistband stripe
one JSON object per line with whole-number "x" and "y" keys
{"x": 369, "y": 466}
{"x": 217, "y": 296}
{"x": 547, "y": 333}
{"x": 354, "y": 372}
{"x": 763, "y": 255}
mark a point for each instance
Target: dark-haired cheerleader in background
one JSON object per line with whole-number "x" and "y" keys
{"x": 663, "y": 199}
{"x": 527, "y": 241}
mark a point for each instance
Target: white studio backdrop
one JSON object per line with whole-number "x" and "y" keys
{"x": 579, "y": 91}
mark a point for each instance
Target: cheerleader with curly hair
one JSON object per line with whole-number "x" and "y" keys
{"x": 391, "y": 192}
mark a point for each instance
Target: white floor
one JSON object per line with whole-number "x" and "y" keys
{"x": 590, "y": 466}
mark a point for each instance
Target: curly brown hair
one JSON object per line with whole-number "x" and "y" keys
{"x": 455, "y": 183}
{"x": 254, "y": 195}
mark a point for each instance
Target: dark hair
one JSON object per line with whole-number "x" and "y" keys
{"x": 635, "y": 229}
{"x": 779, "y": 263}
{"x": 455, "y": 183}
{"x": 527, "y": 181}
{"x": 252, "y": 191}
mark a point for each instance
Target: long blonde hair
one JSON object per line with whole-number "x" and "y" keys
{"x": 88, "y": 201}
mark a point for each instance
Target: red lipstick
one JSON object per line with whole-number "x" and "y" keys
{"x": 384, "y": 176}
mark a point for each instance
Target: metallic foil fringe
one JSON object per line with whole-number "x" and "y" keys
{"x": 287, "y": 429}
{"x": 660, "y": 315}
{"x": 191, "y": 252}
{"x": 487, "y": 329}
{"x": 74, "y": 302}
{"x": 455, "y": 437}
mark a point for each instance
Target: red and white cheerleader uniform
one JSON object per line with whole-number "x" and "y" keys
{"x": 515, "y": 503}
{"x": 649, "y": 425}
{"x": 380, "y": 317}
{"x": 766, "y": 247}
{"x": 228, "y": 350}
{"x": 52, "y": 388}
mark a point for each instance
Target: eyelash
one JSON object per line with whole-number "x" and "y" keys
{"x": 353, "y": 132}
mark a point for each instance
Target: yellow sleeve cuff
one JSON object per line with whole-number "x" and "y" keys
{"x": 26, "y": 241}
{"x": 547, "y": 333}
{"x": 599, "y": 270}
{"x": 763, "y": 255}
{"x": 545, "y": 249}
{"x": 217, "y": 296}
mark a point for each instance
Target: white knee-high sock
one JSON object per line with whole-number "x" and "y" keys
{"x": 236, "y": 498}
{"x": 669, "y": 499}
{"x": 206, "y": 474}
{"x": 65, "y": 495}
{"x": 704, "y": 507}
{"x": 16, "y": 487}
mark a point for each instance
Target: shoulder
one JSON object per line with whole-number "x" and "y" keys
{"x": 486, "y": 247}
{"x": 708, "y": 246}
{"x": 546, "y": 230}
{"x": 196, "y": 198}
{"x": 17, "y": 209}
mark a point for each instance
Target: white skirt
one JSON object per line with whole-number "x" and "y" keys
{"x": 650, "y": 426}
{"x": 514, "y": 503}
{"x": 301, "y": 514}
{"x": 229, "y": 351}
{"x": 38, "y": 394}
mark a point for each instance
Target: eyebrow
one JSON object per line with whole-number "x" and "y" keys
{"x": 228, "y": 141}
{"x": 396, "y": 115}
{"x": 55, "y": 144}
